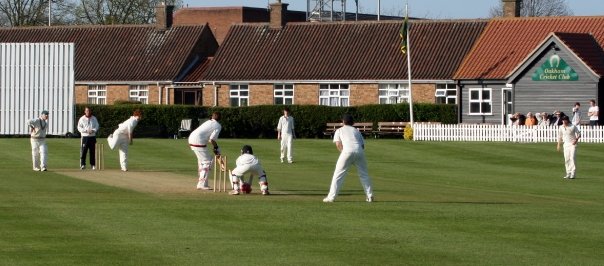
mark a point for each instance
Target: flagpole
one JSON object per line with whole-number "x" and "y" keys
{"x": 409, "y": 67}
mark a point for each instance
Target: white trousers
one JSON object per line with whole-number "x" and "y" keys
{"x": 345, "y": 160}
{"x": 204, "y": 164}
{"x": 39, "y": 153}
{"x": 570, "y": 152}
{"x": 121, "y": 142}
{"x": 256, "y": 169}
{"x": 286, "y": 147}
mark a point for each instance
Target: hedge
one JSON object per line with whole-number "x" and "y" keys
{"x": 163, "y": 121}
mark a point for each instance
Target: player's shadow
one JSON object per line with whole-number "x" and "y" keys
{"x": 312, "y": 192}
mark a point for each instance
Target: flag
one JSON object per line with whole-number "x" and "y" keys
{"x": 403, "y": 33}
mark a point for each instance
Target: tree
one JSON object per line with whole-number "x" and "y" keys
{"x": 537, "y": 8}
{"x": 23, "y": 12}
{"x": 117, "y": 11}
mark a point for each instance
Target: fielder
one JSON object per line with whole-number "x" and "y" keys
{"x": 39, "y": 150}
{"x": 570, "y": 135}
{"x": 198, "y": 141}
{"x": 88, "y": 125}
{"x": 285, "y": 129}
{"x": 122, "y": 137}
{"x": 351, "y": 145}
{"x": 247, "y": 163}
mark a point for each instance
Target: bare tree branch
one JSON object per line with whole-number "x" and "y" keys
{"x": 537, "y": 8}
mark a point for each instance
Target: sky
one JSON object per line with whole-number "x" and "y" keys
{"x": 435, "y": 9}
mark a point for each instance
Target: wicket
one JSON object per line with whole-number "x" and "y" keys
{"x": 100, "y": 156}
{"x": 221, "y": 172}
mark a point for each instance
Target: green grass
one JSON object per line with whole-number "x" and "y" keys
{"x": 437, "y": 203}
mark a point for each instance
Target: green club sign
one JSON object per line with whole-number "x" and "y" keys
{"x": 555, "y": 69}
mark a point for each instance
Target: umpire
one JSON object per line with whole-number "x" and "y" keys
{"x": 88, "y": 125}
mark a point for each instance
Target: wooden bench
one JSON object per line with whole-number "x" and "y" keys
{"x": 366, "y": 128}
{"x": 390, "y": 129}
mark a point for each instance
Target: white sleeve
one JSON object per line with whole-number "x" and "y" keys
{"x": 337, "y": 136}
{"x": 81, "y": 125}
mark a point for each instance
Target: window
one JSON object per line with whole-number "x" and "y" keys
{"x": 446, "y": 94}
{"x": 139, "y": 93}
{"x": 284, "y": 94}
{"x": 334, "y": 94}
{"x": 393, "y": 93}
{"x": 97, "y": 94}
{"x": 480, "y": 101}
{"x": 239, "y": 95}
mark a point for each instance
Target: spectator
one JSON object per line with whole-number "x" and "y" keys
{"x": 531, "y": 120}
{"x": 593, "y": 113}
{"x": 557, "y": 119}
{"x": 544, "y": 121}
{"x": 576, "y": 114}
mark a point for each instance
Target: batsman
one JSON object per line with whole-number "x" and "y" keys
{"x": 247, "y": 163}
{"x": 198, "y": 141}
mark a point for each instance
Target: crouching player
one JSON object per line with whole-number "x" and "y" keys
{"x": 247, "y": 163}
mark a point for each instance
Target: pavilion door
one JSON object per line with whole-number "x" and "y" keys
{"x": 507, "y": 106}
{"x": 189, "y": 97}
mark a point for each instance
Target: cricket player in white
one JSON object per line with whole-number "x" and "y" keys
{"x": 88, "y": 125}
{"x": 247, "y": 163}
{"x": 122, "y": 137}
{"x": 570, "y": 135}
{"x": 39, "y": 149}
{"x": 351, "y": 145}
{"x": 198, "y": 141}
{"x": 285, "y": 133}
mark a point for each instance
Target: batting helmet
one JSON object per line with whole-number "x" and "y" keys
{"x": 247, "y": 149}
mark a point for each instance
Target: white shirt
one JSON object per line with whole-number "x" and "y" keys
{"x": 576, "y": 117}
{"x": 594, "y": 109}
{"x": 127, "y": 127}
{"x": 351, "y": 138}
{"x": 246, "y": 158}
{"x": 88, "y": 123}
{"x": 286, "y": 125}
{"x": 40, "y": 126}
{"x": 209, "y": 130}
{"x": 568, "y": 134}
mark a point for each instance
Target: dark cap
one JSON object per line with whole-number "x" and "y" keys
{"x": 565, "y": 118}
{"x": 247, "y": 149}
{"x": 45, "y": 112}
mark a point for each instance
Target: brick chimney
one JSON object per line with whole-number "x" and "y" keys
{"x": 511, "y": 8}
{"x": 278, "y": 15}
{"x": 163, "y": 16}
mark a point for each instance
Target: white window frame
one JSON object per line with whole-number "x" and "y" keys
{"x": 239, "y": 93}
{"x": 393, "y": 93}
{"x": 445, "y": 93}
{"x": 480, "y": 101}
{"x": 139, "y": 93}
{"x": 334, "y": 94}
{"x": 97, "y": 94}
{"x": 285, "y": 92}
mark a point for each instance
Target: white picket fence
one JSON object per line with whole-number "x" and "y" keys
{"x": 487, "y": 132}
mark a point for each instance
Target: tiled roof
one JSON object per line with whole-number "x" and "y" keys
{"x": 342, "y": 51}
{"x": 586, "y": 48}
{"x": 119, "y": 53}
{"x": 505, "y": 42}
{"x": 198, "y": 70}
